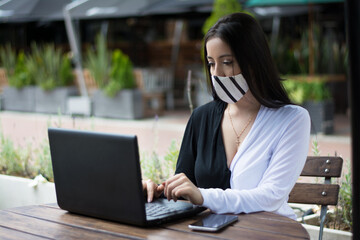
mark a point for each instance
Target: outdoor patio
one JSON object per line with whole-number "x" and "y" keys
{"x": 154, "y": 134}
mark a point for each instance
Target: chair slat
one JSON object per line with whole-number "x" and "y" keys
{"x": 311, "y": 193}
{"x": 322, "y": 166}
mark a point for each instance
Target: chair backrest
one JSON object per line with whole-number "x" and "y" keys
{"x": 154, "y": 79}
{"x": 3, "y": 79}
{"x": 322, "y": 193}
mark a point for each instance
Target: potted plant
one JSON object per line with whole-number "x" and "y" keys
{"x": 19, "y": 95}
{"x": 38, "y": 82}
{"x": 52, "y": 72}
{"x": 117, "y": 96}
{"x": 26, "y": 176}
{"x": 313, "y": 94}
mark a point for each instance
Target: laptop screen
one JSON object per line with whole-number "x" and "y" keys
{"x": 97, "y": 174}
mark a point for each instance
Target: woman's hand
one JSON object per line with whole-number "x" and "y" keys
{"x": 180, "y": 186}
{"x": 152, "y": 190}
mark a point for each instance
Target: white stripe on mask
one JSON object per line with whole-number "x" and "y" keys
{"x": 230, "y": 89}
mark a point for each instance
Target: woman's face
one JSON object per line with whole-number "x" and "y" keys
{"x": 221, "y": 60}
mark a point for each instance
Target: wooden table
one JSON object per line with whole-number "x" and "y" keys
{"x": 51, "y": 222}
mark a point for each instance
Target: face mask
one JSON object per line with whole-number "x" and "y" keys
{"x": 230, "y": 89}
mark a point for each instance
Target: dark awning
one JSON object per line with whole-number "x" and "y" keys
{"x": 91, "y": 9}
{"x": 178, "y": 6}
{"x": 255, "y": 3}
{"x": 29, "y": 10}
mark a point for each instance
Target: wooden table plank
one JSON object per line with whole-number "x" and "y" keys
{"x": 279, "y": 224}
{"x": 251, "y": 226}
{"x": 49, "y": 229}
{"x": 11, "y": 234}
{"x": 59, "y": 224}
{"x": 60, "y": 216}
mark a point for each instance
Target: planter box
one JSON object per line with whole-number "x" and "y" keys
{"x": 328, "y": 234}
{"x": 22, "y": 99}
{"x": 79, "y": 106}
{"x": 127, "y": 104}
{"x": 16, "y": 191}
{"x": 322, "y": 116}
{"x": 53, "y": 101}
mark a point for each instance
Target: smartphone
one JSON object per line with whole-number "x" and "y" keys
{"x": 213, "y": 222}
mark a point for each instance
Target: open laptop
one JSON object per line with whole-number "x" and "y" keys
{"x": 98, "y": 174}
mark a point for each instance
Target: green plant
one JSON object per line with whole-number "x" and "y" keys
{"x": 98, "y": 61}
{"x": 25, "y": 162}
{"x": 342, "y": 217}
{"x": 121, "y": 74}
{"x": 14, "y": 161}
{"x": 151, "y": 167}
{"x": 284, "y": 55}
{"x": 20, "y": 76}
{"x": 292, "y": 56}
{"x": 220, "y": 9}
{"x": 157, "y": 169}
{"x": 8, "y": 59}
{"x": 112, "y": 71}
{"x": 43, "y": 161}
{"x": 48, "y": 67}
{"x": 171, "y": 157}
{"x": 301, "y": 90}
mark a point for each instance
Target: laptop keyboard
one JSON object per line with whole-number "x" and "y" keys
{"x": 163, "y": 206}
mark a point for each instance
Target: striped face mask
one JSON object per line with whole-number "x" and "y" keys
{"x": 230, "y": 89}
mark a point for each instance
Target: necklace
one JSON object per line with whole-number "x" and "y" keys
{"x": 242, "y": 131}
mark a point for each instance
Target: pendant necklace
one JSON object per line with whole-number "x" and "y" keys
{"x": 242, "y": 131}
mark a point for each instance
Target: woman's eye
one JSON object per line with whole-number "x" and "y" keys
{"x": 211, "y": 64}
{"x": 227, "y": 62}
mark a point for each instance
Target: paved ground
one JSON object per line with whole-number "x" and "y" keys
{"x": 154, "y": 134}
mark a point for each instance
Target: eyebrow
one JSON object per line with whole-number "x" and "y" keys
{"x": 222, "y": 56}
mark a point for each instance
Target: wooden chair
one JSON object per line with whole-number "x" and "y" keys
{"x": 3, "y": 79}
{"x": 323, "y": 194}
{"x": 156, "y": 85}
{"x": 90, "y": 83}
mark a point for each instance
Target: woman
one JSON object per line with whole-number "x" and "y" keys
{"x": 244, "y": 151}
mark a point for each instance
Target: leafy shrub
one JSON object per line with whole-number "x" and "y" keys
{"x": 157, "y": 169}
{"x": 112, "y": 71}
{"x": 45, "y": 66}
{"x": 8, "y": 59}
{"x": 14, "y": 161}
{"x": 342, "y": 218}
{"x": 48, "y": 67}
{"x": 220, "y": 9}
{"x": 121, "y": 74}
{"x": 303, "y": 90}
{"x": 25, "y": 162}
{"x": 98, "y": 61}
{"x": 20, "y": 76}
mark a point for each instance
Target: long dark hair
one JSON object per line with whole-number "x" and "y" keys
{"x": 248, "y": 43}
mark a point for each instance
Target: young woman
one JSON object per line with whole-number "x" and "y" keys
{"x": 244, "y": 151}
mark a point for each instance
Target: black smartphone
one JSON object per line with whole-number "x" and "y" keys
{"x": 213, "y": 222}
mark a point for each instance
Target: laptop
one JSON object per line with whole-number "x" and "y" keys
{"x": 98, "y": 174}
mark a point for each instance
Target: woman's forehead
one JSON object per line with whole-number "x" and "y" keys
{"x": 216, "y": 48}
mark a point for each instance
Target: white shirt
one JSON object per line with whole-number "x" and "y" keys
{"x": 267, "y": 164}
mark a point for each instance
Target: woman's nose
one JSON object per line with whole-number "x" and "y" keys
{"x": 218, "y": 71}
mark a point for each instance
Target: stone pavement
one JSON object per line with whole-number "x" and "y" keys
{"x": 154, "y": 134}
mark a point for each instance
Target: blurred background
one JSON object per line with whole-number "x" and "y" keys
{"x": 135, "y": 67}
{"x": 163, "y": 41}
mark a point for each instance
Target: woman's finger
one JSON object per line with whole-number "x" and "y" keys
{"x": 150, "y": 190}
{"x": 172, "y": 183}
